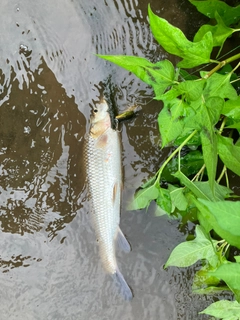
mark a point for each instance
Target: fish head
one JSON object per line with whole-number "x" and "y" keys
{"x": 100, "y": 112}
{"x": 100, "y": 119}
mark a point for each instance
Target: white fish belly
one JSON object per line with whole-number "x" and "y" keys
{"x": 105, "y": 178}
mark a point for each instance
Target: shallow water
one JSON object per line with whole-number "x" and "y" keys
{"x": 50, "y": 78}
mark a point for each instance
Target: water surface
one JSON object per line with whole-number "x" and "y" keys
{"x": 50, "y": 78}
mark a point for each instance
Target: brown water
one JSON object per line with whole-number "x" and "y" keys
{"x": 49, "y": 79}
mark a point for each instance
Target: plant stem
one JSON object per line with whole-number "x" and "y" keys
{"x": 222, "y": 64}
{"x": 199, "y": 173}
{"x": 222, "y": 125}
{"x": 226, "y": 177}
{"x": 159, "y": 172}
{"x": 222, "y": 174}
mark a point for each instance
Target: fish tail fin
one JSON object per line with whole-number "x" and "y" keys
{"x": 124, "y": 287}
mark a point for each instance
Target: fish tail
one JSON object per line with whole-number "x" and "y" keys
{"x": 124, "y": 287}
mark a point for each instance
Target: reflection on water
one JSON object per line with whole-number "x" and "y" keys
{"x": 49, "y": 77}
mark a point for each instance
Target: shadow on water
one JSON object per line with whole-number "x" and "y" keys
{"x": 41, "y": 131}
{"x": 49, "y": 78}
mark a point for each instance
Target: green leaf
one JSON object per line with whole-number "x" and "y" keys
{"x": 178, "y": 198}
{"x": 189, "y": 252}
{"x": 192, "y": 89}
{"x": 171, "y": 121}
{"x": 193, "y": 143}
{"x": 229, "y": 153}
{"x": 210, "y": 290}
{"x": 149, "y": 182}
{"x": 235, "y": 125}
{"x": 219, "y": 194}
{"x": 224, "y": 217}
{"x": 184, "y": 75}
{"x": 224, "y": 309}
{"x": 220, "y": 32}
{"x": 174, "y": 41}
{"x": 204, "y": 280}
{"x": 164, "y": 200}
{"x": 205, "y": 218}
{"x": 209, "y": 8}
{"x": 143, "y": 197}
{"x": 209, "y": 148}
{"x": 219, "y": 85}
{"x": 209, "y": 115}
{"x": 230, "y": 273}
{"x": 159, "y": 75}
{"x": 190, "y": 185}
{"x": 231, "y": 109}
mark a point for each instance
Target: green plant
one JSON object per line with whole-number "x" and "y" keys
{"x": 201, "y": 112}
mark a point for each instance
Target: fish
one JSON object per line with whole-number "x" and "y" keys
{"x": 104, "y": 175}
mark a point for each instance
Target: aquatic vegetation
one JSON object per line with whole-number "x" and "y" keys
{"x": 200, "y": 116}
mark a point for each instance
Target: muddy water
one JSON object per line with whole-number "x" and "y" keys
{"x": 50, "y": 78}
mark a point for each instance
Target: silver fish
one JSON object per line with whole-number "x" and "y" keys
{"x": 103, "y": 160}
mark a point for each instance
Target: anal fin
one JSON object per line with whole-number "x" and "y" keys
{"x": 122, "y": 241}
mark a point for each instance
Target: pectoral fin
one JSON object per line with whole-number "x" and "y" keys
{"x": 122, "y": 241}
{"x": 102, "y": 141}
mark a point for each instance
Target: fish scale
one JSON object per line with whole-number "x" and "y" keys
{"x": 103, "y": 163}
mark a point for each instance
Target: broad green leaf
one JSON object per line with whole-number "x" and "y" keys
{"x": 192, "y": 89}
{"x": 184, "y": 75}
{"x": 149, "y": 182}
{"x": 158, "y": 211}
{"x": 209, "y": 115}
{"x": 190, "y": 185}
{"x": 210, "y": 290}
{"x": 178, "y": 198}
{"x": 189, "y": 252}
{"x": 229, "y": 153}
{"x": 230, "y": 15}
{"x": 209, "y": 148}
{"x": 235, "y": 125}
{"x": 193, "y": 143}
{"x": 159, "y": 75}
{"x": 203, "y": 280}
{"x": 171, "y": 121}
{"x": 218, "y": 85}
{"x": 219, "y": 194}
{"x": 224, "y": 309}
{"x": 164, "y": 200}
{"x": 173, "y": 40}
{"x": 205, "y": 218}
{"x": 231, "y": 109}
{"x": 224, "y": 217}
{"x": 143, "y": 197}
{"x": 220, "y": 32}
{"x": 214, "y": 107}
{"x": 230, "y": 273}
{"x": 237, "y": 258}
{"x": 169, "y": 95}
